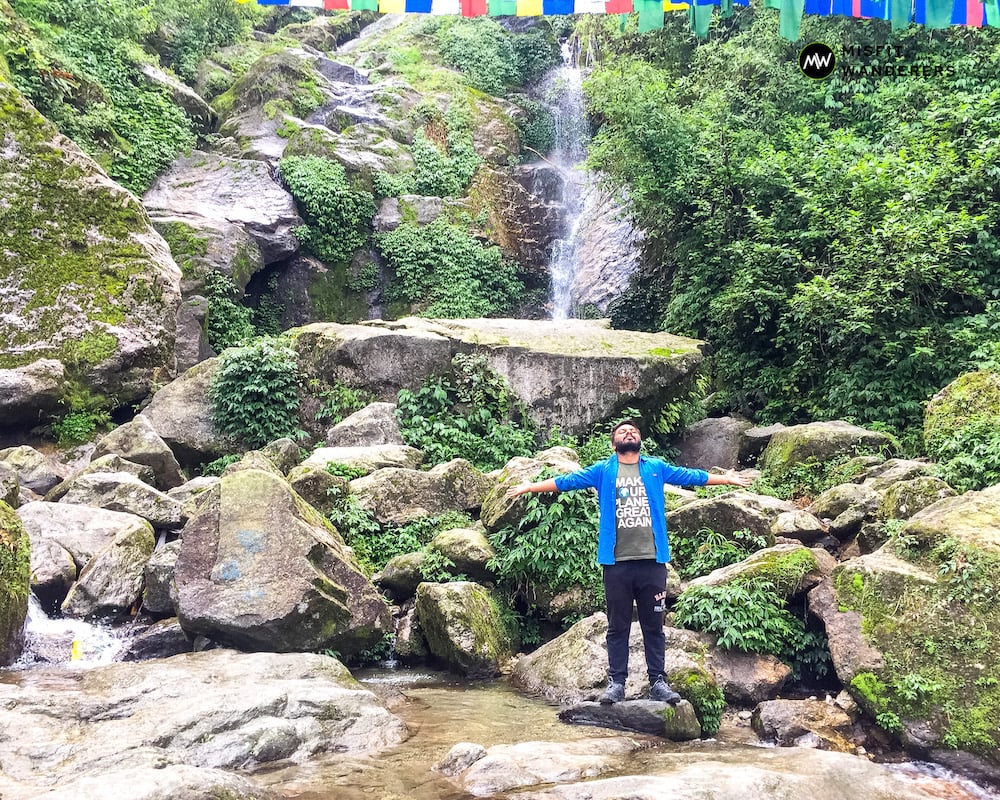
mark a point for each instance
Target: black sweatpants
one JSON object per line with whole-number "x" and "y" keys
{"x": 643, "y": 584}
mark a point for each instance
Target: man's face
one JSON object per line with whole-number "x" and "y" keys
{"x": 627, "y": 439}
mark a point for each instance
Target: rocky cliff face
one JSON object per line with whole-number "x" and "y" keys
{"x": 85, "y": 281}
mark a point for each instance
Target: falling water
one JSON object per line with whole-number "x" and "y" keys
{"x": 562, "y": 92}
{"x": 66, "y": 641}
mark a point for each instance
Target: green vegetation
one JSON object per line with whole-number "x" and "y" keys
{"x": 699, "y": 689}
{"x": 751, "y": 614}
{"x": 338, "y": 216}
{"x": 551, "y": 546}
{"x": 446, "y": 271}
{"x": 833, "y": 241}
{"x": 694, "y": 556}
{"x": 471, "y": 414}
{"x": 254, "y": 393}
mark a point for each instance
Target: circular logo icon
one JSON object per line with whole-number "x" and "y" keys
{"x": 817, "y": 61}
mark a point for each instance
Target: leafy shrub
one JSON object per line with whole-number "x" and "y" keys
{"x": 339, "y": 401}
{"x": 969, "y": 459}
{"x": 483, "y": 50}
{"x": 79, "y": 64}
{"x": 445, "y": 269}
{"x": 536, "y": 126}
{"x": 80, "y": 426}
{"x": 705, "y": 696}
{"x": 461, "y": 418}
{"x": 345, "y": 471}
{"x": 750, "y": 616}
{"x": 218, "y": 466}
{"x": 338, "y": 217}
{"x": 698, "y": 555}
{"x": 443, "y": 165}
{"x": 229, "y": 321}
{"x": 254, "y": 393}
{"x": 552, "y": 545}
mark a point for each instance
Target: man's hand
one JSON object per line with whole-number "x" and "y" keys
{"x": 520, "y": 489}
{"x": 735, "y": 479}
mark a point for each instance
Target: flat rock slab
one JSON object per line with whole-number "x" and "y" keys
{"x": 675, "y": 722}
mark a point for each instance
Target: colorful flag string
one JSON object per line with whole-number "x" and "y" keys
{"x": 930, "y": 13}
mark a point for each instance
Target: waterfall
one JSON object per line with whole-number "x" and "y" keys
{"x": 596, "y": 249}
{"x": 562, "y": 93}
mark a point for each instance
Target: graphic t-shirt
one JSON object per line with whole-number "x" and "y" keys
{"x": 632, "y": 515}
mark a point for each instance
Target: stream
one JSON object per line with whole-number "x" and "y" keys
{"x": 442, "y": 710}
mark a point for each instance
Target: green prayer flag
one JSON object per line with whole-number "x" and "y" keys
{"x": 790, "y": 19}
{"x": 364, "y": 5}
{"x": 992, "y": 13}
{"x": 650, "y": 14}
{"x": 725, "y": 8}
{"x": 900, "y": 12}
{"x": 502, "y": 8}
{"x": 700, "y": 18}
{"x": 938, "y": 13}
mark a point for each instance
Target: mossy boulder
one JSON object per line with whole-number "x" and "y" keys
{"x": 790, "y": 568}
{"x": 975, "y": 394}
{"x": 819, "y": 443}
{"x": 15, "y": 573}
{"x": 260, "y": 569}
{"x": 88, "y": 281}
{"x": 464, "y": 627}
{"x": 926, "y": 606}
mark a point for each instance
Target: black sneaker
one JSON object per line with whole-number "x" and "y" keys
{"x": 615, "y": 693}
{"x": 662, "y": 692}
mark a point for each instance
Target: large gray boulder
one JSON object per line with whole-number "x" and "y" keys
{"x": 713, "y": 442}
{"x": 181, "y": 415}
{"x": 67, "y": 539}
{"x": 260, "y": 569}
{"x": 572, "y": 373}
{"x": 34, "y": 470}
{"x": 87, "y": 280}
{"x": 138, "y": 442}
{"x": 463, "y": 627}
{"x": 213, "y": 710}
{"x": 729, "y": 512}
{"x": 791, "y": 568}
{"x": 30, "y": 393}
{"x": 804, "y": 723}
{"x": 926, "y": 601}
{"x": 207, "y": 191}
{"x": 368, "y": 457}
{"x": 109, "y": 463}
{"x": 372, "y": 425}
{"x": 398, "y": 496}
{"x": 507, "y": 767}
{"x": 121, "y": 491}
{"x": 749, "y": 773}
{"x": 818, "y": 442}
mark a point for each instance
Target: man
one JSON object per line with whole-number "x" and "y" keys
{"x": 632, "y": 547}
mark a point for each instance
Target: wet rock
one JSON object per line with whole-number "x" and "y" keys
{"x": 216, "y": 709}
{"x": 162, "y": 639}
{"x": 676, "y": 722}
{"x": 120, "y": 491}
{"x": 788, "y": 723}
{"x": 160, "y": 595}
{"x": 261, "y": 569}
{"x": 463, "y": 627}
{"x": 504, "y": 768}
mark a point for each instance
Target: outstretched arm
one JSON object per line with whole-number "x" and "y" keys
{"x": 729, "y": 477}
{"x": 541, "y": 486}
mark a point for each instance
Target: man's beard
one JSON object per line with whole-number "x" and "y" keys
{"x": 628, "y": 446}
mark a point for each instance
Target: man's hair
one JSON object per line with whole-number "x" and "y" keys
{"x": 633, "y": 422}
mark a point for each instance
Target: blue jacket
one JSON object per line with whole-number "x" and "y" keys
{"x": 655, "y": 474}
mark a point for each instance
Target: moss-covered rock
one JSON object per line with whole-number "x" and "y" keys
{"x": 464, "y": 627}
{"x": 15, "y": 572}
{"x": 975, "y": 394}
{"x": 927, "y": 604}
{"x": 817, "y": 443}
{"x": 88, "y": 281}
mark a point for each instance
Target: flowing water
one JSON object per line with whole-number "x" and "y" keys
{"x": 562, "y": 93}
{"x": 441, "y": 711}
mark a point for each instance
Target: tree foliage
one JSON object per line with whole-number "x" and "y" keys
{"x": 834, "y": 241}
